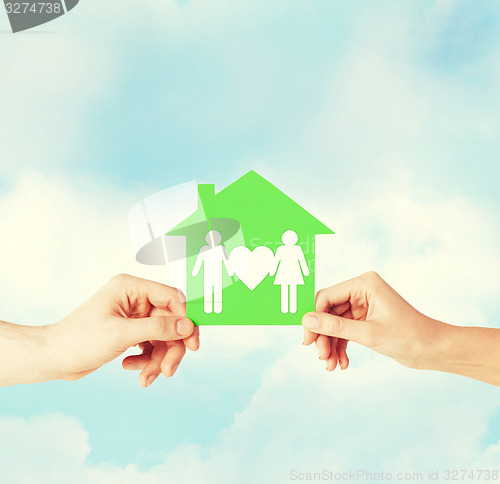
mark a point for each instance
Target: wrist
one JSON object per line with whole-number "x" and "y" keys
{"x": 50, "y": 345}
{"x": 44, "y": 367}
{"x": 24, "y": 354}
{"x": 434, "y": 345}
{"x": 447, "y": 352}
{"x": 471, "y": 351}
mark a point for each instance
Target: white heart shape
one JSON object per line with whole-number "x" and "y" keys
{"x": 251, "y": 266}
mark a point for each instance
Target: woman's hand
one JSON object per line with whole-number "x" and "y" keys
{"x": 368, "y": 311}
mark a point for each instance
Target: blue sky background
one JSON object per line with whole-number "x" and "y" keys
{"x": 382, "y": 117}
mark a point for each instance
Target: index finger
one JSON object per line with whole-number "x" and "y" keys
{"x": 159, "y": 295}
{"x": 351, "y": 290}
{"x": 333, "y": 296}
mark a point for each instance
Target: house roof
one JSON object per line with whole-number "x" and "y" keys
{"x": 247, "y": 194}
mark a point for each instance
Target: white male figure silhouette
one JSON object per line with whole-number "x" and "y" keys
{"x": 212, "y": 256}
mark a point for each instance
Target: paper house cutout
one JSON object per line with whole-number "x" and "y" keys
{"x": 251, "y": 212}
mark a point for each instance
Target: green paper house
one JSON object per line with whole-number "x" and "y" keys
{"x": 250, "y": 255}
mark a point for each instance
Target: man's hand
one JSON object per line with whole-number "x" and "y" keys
{"x": 127, "y": 311}
{"x": 368, "y": 311}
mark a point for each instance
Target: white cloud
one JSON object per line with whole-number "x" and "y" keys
{"x": 45, "y": 448}
{"x": 377, "y": 416}
{"x": 64, "y": 238}
{"x": 48, "y": 84}
{"x": 393, "y": 108}
{"x": 440, "y": 253}
{"x": 57, "y": 76}
{"x": 68, "y": 237}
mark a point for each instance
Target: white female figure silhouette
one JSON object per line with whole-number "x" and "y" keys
{"x": 290, "y": 263}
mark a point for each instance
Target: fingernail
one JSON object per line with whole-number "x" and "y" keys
{"x": 174, "y": 368}
{"x": 150, "y": 380}
{"x": 319, "y": 353}
{"x": 311, "y": 322}
{"x": 184, "y": 327}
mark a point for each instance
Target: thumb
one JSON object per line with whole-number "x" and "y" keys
{"x": 339, "y": 327}
{"x": 162, "y": 328}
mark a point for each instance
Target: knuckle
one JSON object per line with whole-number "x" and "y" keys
{"x": 335, "y": 325}
{"x": 121, "y": 278}
{"x": 371, "y": 276}
{"x": 157, "y": 325}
